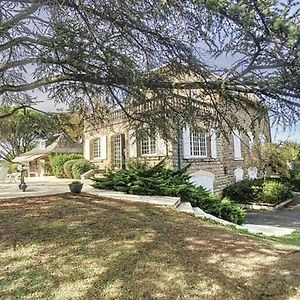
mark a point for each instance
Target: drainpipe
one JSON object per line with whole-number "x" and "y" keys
{"x": 178, "y": 148}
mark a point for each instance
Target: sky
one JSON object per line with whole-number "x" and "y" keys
{"x": 291, "y": 133}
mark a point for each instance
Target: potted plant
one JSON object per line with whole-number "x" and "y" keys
{"x": 75, "y": 187}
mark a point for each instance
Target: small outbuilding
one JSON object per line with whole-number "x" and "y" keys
{"x": 36, "y": 160}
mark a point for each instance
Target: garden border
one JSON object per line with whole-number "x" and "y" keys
{"x": 266, "y": 206}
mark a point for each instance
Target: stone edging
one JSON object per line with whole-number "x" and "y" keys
{"x": 266, "y": 206}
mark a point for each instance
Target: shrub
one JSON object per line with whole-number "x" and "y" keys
{"x": 274, "y": 192}
{"x": 80, "y": 167}
{"x": 57, "y": 162}
{"x": 142, "y": 179}
{"x": 245, "y": 191}
{"x": 258, "y": 191}
{"x": 68, "y": 167}
{"x": 295, "y": 180}
{"x": 231, "y": 212}
{"x": 48, "y": 169}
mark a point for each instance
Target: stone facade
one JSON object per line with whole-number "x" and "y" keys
{"x": 218, "y": 171}
{"x": 220, "y": 165}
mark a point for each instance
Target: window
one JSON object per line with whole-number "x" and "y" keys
{"x": 237, "y": 144}
{"x": 148, "y": 145}
{"x": 97, "y": 148}
{"x": 198, "y": 144}
{"x": 118, "y": 151}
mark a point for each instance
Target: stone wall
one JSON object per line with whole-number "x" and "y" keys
{"x": 221, "y": 167}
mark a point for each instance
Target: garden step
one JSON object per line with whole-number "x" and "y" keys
{"x": 185, "y": 207}
{"x": 199, "y": 212}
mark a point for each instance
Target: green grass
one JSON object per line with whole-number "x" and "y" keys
{"x": 291, "y": 239}
{"x": 84, "y": 247}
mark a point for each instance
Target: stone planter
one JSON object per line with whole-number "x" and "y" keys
{"x": 75, "y": 187}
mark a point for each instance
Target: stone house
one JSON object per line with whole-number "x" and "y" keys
{"x": 37, "y": 159}
{"x": 217, "y": 160}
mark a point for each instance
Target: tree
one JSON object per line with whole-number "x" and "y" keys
{"x": 82, "y": 50}
{"x": 276, "y": 158}
{"x": 21, "y": 130}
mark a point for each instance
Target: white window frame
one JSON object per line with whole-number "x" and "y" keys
{"x": 150, "y": 148}
{"x": 97, "y": 145}
{"x": 192, "y": 149}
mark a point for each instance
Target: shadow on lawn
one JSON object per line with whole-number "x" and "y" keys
{"x": 85, "y": 247}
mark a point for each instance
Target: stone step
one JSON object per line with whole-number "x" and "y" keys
{"x": 199, "y": 212}
{"x": 185, "y": 207}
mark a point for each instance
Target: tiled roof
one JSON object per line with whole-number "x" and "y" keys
{"x": 56, "y": 144}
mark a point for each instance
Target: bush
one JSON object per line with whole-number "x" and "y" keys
{"x": 258, "y": 191}
{"x": 142, "y": 179}
{"x": 80, "y": 167}
{"x": 48, "y": 169}
{"x": 68, "y": 167}
{"x": 231, "y": 212}
{"x": 295, "y": 180}
{"x": 245, "y": 191}
{"x": 57, "y": 162}
{"x": 274, "y": 192}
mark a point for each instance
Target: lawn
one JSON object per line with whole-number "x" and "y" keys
{"x": 84, "y": 247}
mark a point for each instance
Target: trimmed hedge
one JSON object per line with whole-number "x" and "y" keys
{"x": 143, "y": 179}
{"x": 247, "y": 191}
{"x": 80, "y": 167}
{"x": 68, "y": 167}
{"x": 57, "y": 162}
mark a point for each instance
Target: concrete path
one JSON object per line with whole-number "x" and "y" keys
{"x": 284, "y": 217}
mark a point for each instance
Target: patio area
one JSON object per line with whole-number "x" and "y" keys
{"x": 37, "y": 186}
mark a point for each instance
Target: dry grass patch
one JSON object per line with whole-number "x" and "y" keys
{"x": 84, "y": 247}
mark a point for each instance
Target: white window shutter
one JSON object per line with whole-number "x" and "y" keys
{"x": 251, "y": 139}
{"x": 160, "y": 146}
{"x": 103, "y": 144}
{"x": 213, "y": 143}
{"x": 132, "y": 144}
{"x": 186, "y": 142}
{"x": 86, "y": 150}
{"x": 237, "y": 144}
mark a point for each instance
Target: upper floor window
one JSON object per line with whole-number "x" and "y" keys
{"x": 237, "y": 145}
{"x": 97, "y": 148}
{"x": 148, "y": 145}
{"x": 198, "y": 144}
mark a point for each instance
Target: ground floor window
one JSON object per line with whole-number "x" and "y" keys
{"x": 118, "y": 151}
{"x": 148, "y": 145}
{"x": 198, "y": 144}
{"x": 97, "y": 148}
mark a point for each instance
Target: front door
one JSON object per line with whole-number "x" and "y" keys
{"x": 118, "y": 151}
